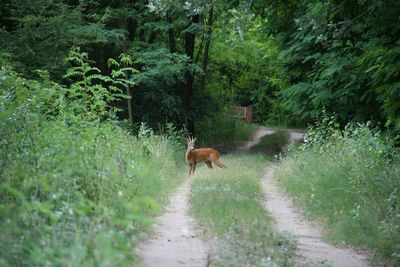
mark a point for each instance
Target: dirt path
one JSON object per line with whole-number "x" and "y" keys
{"x": 176, "y": 241}
{"x": 311, "y": 248}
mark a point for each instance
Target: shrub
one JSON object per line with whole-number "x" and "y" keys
{"x": 75, "y": 189}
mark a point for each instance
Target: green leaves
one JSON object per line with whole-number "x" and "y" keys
{"x": 76, "y": 189}
{"x": 248, "y": 72}
{"x": 92, "y": 91}
{"x": 342, "y": 57}
{"x": 382, "y": 66}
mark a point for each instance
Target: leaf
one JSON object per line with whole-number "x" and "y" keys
{"x": 372, "y": 68}
{"x": 112, "y": 62}
{"x": 326, "y": 73}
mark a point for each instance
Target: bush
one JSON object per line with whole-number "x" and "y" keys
{"x": 351, "y": 182}
{"x": 75, "y": 189}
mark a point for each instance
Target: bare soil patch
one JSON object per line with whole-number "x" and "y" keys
{"x": 176, "y": 240}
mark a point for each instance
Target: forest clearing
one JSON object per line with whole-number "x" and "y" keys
{"x": 199, "y": 133}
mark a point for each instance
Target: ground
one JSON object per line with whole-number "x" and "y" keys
{"x": 178, "y": 240}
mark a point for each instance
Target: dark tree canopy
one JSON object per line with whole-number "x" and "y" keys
{"x": 289, "y": 60}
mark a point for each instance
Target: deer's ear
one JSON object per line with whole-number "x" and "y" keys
{"x": 194, "y": 140}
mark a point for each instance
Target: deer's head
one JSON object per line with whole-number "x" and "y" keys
{"x": 190, "y": 142}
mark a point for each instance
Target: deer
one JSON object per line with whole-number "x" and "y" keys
{"x": 206, "y": 154}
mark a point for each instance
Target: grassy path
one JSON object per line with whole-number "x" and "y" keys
{"x": 227, "y": 203}
{"x": 231, "y": 206}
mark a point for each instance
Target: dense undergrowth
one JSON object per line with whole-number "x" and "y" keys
{"x": 351, "y": 183}
{"x": 76, "y": 189}
{"x": 225, "y": 201}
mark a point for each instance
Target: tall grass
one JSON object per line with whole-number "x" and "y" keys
{"x": 82, "y": 197}
{"x": 75, "y": 191}
{"x": 223, "y": 132}
{"x": 351, "y": 184}
{"x": 226, "y": 202}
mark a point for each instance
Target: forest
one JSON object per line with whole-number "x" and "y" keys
{"x": 286, "y": 59}
{"x": 97, "y": 98}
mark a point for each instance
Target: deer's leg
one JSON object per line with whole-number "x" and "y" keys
{"x": 209, "y": 164}
{"x": 194, "y": 167}
{"x": 190, "y": 168}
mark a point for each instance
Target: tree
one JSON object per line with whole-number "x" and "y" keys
{"x": 334, "y": 54}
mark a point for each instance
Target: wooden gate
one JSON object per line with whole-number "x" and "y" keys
{"x": 244, "y": 113}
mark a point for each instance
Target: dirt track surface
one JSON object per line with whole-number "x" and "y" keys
{"x": 176, "y": 241}
{"x": 311, "y": 248}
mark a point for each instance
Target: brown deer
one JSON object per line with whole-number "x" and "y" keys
{"x": 208, "y": 155}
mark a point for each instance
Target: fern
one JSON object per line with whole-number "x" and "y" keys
{"x": 93, "y": 91}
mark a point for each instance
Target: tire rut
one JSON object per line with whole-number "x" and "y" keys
{"x": 310, "y": 247}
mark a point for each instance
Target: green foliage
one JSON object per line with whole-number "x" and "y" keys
{"x": 40, "y": 35}
{"x": 285, "y": 60}
{"x": 222, "y": 131}
{"x": 225, "y": 202}
{"x": 92, "y": 94}
{"x": 272, "y": 144}
{"x": 351, "y": 184}
{"x": 382, "y": 64}
{"x": 75, "y": 190}
{"x": 122, "y": 71}
{"x": 158, "y": 90}
{"x": 87, "y": 90}
{"x": 341, "y": 56}
{"x": 245, "y": 70}
{"x": 323, "y": 130}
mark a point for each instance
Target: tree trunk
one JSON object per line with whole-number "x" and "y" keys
{"x": 131, "y": 26}
{"x": 171, "y": 36}
{"x": 206, "y": 49}
{"x": 187, "y": 93}
{"x": 130, "y": 111}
